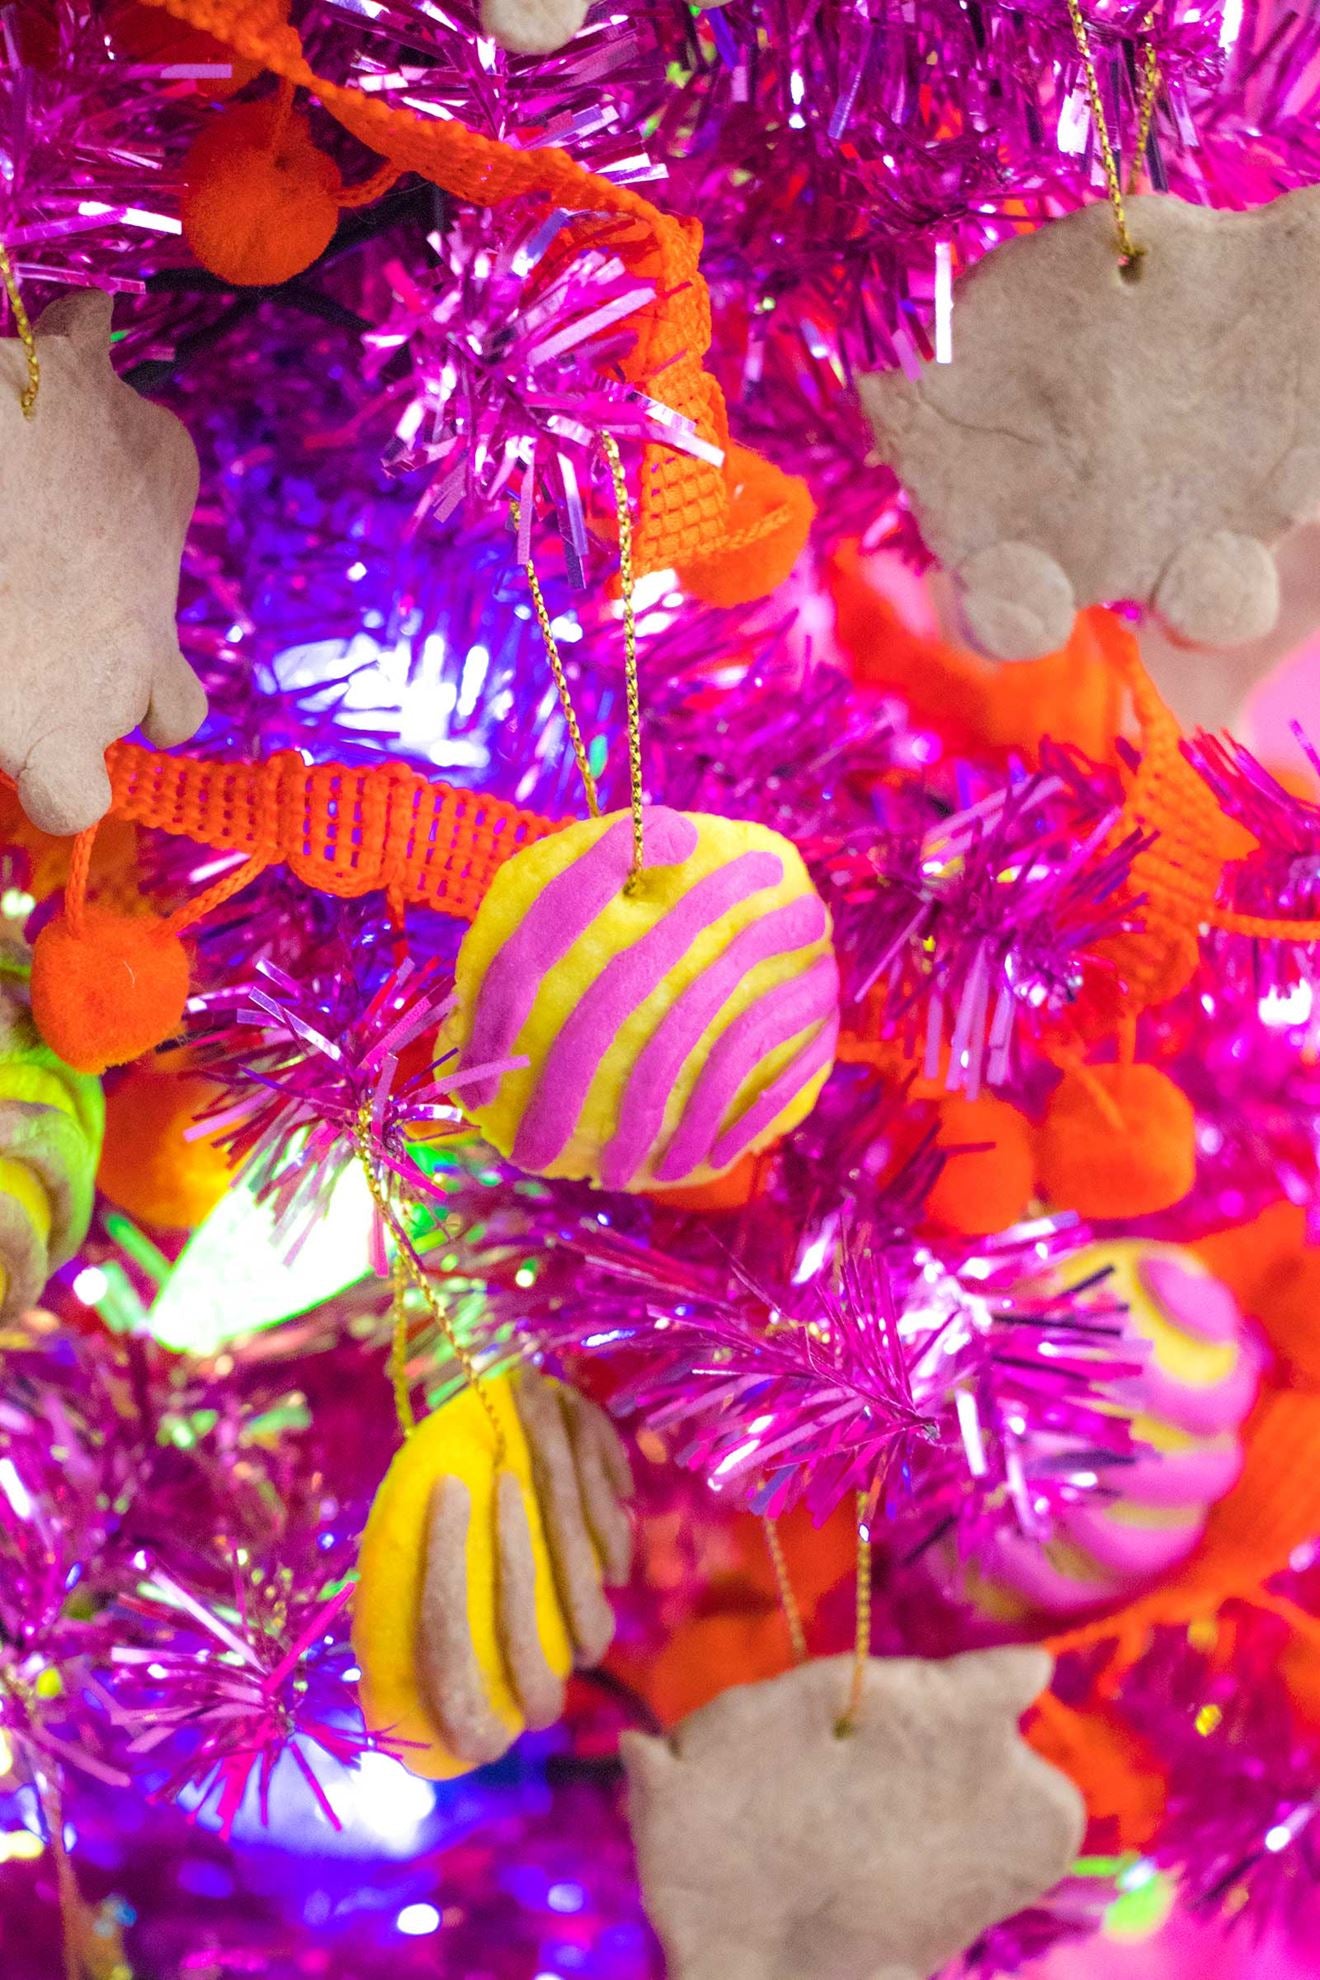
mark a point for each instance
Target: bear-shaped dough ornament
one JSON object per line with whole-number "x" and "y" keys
{"x": 1101, "y": 435}
{"x": 773, "y": 1846}
{"x": 96, "y": 491}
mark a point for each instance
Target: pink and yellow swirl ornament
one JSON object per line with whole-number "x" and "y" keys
{"x": 668, "y": 1021}
{"x": 1187, "y": 1405}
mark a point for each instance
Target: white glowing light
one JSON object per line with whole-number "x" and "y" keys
{"x": 812, "y": 1259}
{"x": 1278, "y": 1838}
{"x": 943, "y": 302}
{"x": 1074, "y": 122}
{"x": 14, "y": 1489}
{"x": 416, "y": 1921}
{"x": 234, "y": 1275}
{"x": 412, "y": 686}
{"x": 1281, "y": 1009}
{"x": 91, "y": 1285}
{"x": 736, "y": 1457}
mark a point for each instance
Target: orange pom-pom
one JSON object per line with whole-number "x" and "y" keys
{"x": 149, "y": 1167}
{"x": 1117, "y": 1141}
{"x": 260, "y": 201}
{"x": 109, "y": 993}
{"x": 979, "y": 1194}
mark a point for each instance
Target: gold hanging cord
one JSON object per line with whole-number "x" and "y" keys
{"x": 1130, "y": 251}
{"x": 626, "y": 588}
{"x": 28, "y": 396}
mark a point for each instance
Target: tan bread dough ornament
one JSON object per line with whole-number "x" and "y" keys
{"x": 773, "y": 1848}
{"x": 1101, "y": 437}
{"x": 1205, "y": 688}
{"x": 96, "y": 491}
{"x": 480, "y": 1578}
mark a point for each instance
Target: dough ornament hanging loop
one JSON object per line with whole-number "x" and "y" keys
{"x": 27, "y": 398}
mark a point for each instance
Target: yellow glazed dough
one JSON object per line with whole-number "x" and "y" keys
{"x": 458, "y": 1442}
{"x": 669, "y": 1027}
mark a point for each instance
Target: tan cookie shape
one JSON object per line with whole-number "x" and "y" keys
{"x": 1099, "y": 437}
{"x": 773, "y": 1848}
{"x": 96, "y": 492}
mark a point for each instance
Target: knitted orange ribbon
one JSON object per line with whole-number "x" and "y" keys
{"x": 1272, "y": 1510}
{"x": 352, "y": 831}
{"x": 1250, "y": 1536}
{"x": 1177, "y": 876}
{"x": 737, "y": 530}
{"x": 343, "y": 831}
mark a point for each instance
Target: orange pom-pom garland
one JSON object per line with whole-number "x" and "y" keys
{"x": 107, "y": 988}
{"x": 1116, "y": 1141}
{"x": 260, "y": 201}
{"x": 150, "y": 1167}
{"x": 989, "y": 1187}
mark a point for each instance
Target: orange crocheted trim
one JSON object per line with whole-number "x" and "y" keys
{"x": 689, "y": 510}
{"x": 1177, "y": 876}
{"x": 342, "y": 831}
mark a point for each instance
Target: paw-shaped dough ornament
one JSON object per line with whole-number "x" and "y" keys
{"x": 96, "y": 491}
{"x": 773, "y": 1848}
{"x": 1100, "y": 436}
{"x": 480, "y": 1581}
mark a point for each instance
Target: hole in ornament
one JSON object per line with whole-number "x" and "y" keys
{"x": 1130, "y": 265}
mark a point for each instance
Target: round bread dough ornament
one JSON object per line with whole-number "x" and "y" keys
{"x": 669, "y": 1025}
{"x": 480, "y": 1578}
{"x": 1187, "y": 1405}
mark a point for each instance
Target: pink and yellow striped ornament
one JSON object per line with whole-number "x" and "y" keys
{"x": 1202, "y": 1364}
{"x": 668, "y": 1022}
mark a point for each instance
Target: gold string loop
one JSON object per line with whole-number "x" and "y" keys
{"x": 408, "y": 1271}
{"x": 551, "y": 644}
{"x": 862, "y": 1638}
{"x": 555, "y": 658}
{"x": 629, "y": 648}
{"x": 27, "y": 398}
{"x": 788, "y": 1601}
{"x": 1130, "y": 251}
